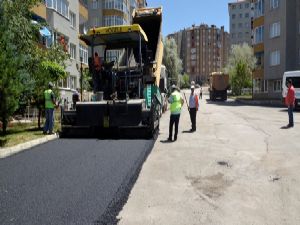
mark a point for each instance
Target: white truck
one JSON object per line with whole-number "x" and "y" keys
{"x": 295, "y": 77}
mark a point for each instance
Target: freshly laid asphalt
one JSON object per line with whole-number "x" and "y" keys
{"x": 70, "y": 181}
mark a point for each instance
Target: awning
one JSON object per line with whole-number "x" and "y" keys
{"x": 45, "y": 32}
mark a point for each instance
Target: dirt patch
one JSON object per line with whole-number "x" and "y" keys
{"x": 211, "y": 186}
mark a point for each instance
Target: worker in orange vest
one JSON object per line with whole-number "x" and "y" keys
{"x": 97, "y": 62}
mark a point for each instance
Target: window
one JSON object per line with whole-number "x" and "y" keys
{"x": 259, "y": 35}
{"x": 113, "y": 20}
{"x": 73, "y": 19}
{"x": 72, "y": 82}
{"x": 83, "y": 53}
{"x": 275, "y": 58}
{"x": 240, "y": 25}
{"x": 247, "y": 5}
{"x": 274, "y": 4}
{"x": 233, "y": 35}
{"x": 60, "y": 6}
{"x": 72, "y": 51}
{"x": 259, "y": 8}
{"x": 68, "y": 82}
{"x": 241, "y": 6}
{"x": 257, "y": 85}
{"x": 240, "y": 35}
{"x": 241, "y": 15}
{"x": 246, "y": 15}
{"x": 275, "y": 30}
{"x": 96, "y": 4}
{"x": 96, "y": 22}
{"x": 277, "y": 86}
{"x": 265, "y": 87}
{"x": 233, "y": 7}
{"x": 233, "y": 16}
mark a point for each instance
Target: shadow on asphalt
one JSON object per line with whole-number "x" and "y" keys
{"x": 188, "y": 131}
{"x": 223, "y": 103}
{"x": 285, "y": 127}
{"x": 232, "y": 103}
{"x": 166, "y": 141}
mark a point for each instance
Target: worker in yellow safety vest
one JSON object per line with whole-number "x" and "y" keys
{"x": 176, "y": 102}
{"x": 49, "y": 109}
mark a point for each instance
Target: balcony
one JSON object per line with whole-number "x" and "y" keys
{"x": 258, "y": 72}
{"x": 40, "y": 10}
{"x": 258, "y": 47}
{"x": 83, "y": 11}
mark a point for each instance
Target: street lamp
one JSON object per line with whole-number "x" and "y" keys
{"x": 81, "y": 78}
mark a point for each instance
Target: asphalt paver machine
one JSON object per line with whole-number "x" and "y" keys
{"x": 127, "y": 100}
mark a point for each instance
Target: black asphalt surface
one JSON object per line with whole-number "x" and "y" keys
{"x": 70, "y": 181}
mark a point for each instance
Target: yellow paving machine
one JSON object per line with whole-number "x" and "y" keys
{"x": 127, "y": 100}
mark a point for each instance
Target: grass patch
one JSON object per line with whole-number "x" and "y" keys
{"x": 19, "y": 133}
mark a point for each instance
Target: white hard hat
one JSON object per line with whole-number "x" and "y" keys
{"x": 192, "y": 87}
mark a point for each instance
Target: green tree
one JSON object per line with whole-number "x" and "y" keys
{"x": 171, "y": 60}
{"x": 241, "y": 64}
{"x": 185, "y": 81}
{"x": 48, "y": 65}
{"x": 16, "y": 39}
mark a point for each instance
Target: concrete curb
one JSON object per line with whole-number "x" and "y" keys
{"x": 270, "y": 103}
{"x": 5, "y": 152}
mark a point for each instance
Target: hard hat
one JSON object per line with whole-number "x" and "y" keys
{"x": 50, "y": 84}
{"x": 174, "y": 86}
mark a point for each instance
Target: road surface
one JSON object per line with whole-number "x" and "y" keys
{"x": 69, "y": 181}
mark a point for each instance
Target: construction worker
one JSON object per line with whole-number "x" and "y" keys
{"x": 49, "y": 109}
{"x": 75, "y": 98}
{"x": 290, "y": 102}
{"x": 97, "y": 62}
{"x": 176, "y": 102}
{"x": 193, "y": 108}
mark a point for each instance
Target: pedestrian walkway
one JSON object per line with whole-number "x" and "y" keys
{"x": 239, "y": 167}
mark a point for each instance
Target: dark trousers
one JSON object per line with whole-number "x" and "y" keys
{"x": 193, "y": 113}
{"x": 291, "y": 116}
{"x": 174, "y": 119}
{"x": 49, "y": 123}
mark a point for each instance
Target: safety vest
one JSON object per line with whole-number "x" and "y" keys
{"x": 48, "y": 101}
{"x": 176, "y": 103}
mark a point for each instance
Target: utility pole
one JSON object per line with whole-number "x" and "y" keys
{"x": 81, "y": 79}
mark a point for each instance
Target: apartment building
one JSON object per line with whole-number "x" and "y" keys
{"x": 240, "y": 13}
{"x": 203, "y": 49}
{"x": 110, "y": 13}
{"x": 276, "y": 41}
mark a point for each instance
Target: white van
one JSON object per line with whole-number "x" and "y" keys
{"x": 295, "y": 77}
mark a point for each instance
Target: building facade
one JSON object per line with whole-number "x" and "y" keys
{"x": 110, "y": 13}
{"x": 203, "y": 49}
{"x": 240, "y": 14}
{"x": 276, "y": 41}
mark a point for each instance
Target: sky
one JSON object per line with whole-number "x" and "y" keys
{"x": 179, "y": 14}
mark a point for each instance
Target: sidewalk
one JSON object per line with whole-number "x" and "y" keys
{"x": 8, "y": 151}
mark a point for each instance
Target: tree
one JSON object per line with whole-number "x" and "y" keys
{"x": 16, "y": 40}
{"x": 240, "y": 66}
{"x": 171, "y": 60}
{"x": 47, "y": 65}
{"x": 185, "y": 81}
